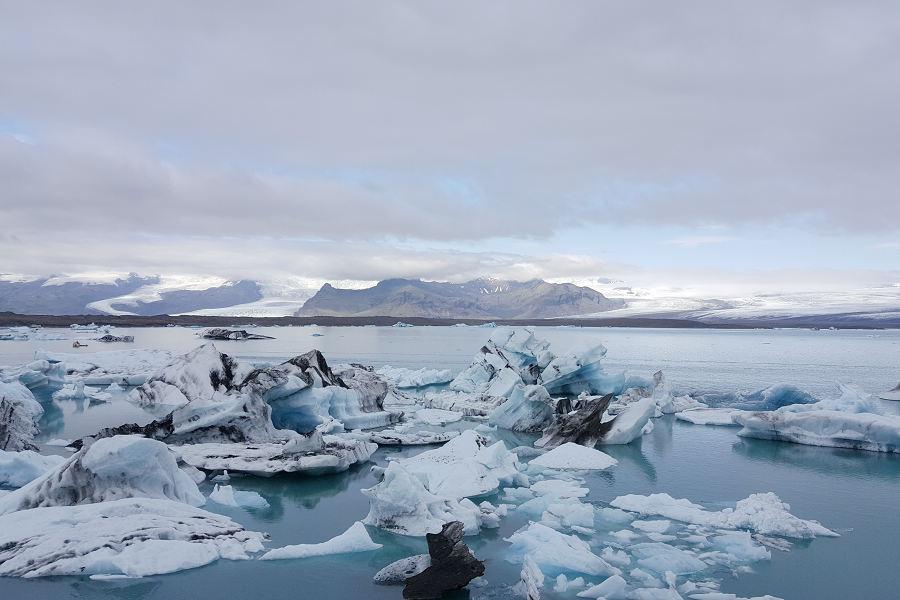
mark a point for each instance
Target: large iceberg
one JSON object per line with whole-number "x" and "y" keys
{"x": 109, "y": 469}
{"x": 130, "y": 537}
{"x": 853, "y": 419}
{"x": 529, "y": 409}
{"x": 316, "y": 455}
{"x": 19, "y": 416}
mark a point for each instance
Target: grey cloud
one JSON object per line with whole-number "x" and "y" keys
{"x": 682, "y": 113}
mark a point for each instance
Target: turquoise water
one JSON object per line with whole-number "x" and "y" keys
{"x": 854, "y": 493}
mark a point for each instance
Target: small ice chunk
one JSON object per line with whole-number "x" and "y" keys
{"x": 436, "y": 416}
{"x": 660, "y": 557}
{"x": 226, "y": 495}
{"x": 613, "y": 588}
{"x": 399, "y": 571}
{"x": 355, "y": 539}
{"x": 660, "y": 526}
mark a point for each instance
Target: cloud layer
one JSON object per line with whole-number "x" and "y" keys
{"x": 362, "y": 140}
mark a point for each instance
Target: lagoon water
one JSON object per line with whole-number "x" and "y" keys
{"x": 852, "y": 492}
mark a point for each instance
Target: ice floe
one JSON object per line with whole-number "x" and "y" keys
{"x": 355, "y": 539}
{"x": 332, "y": 455}
{"x": 399, "y": 571}
{"x": 436, "y": 416}
{"x": 126, "y": 367}
{"x": 101, "y": 540}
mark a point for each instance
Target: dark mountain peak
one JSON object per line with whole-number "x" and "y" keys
{"x": 484, "y": 297}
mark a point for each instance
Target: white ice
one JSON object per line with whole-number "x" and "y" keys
{"x": 414, "y": 378}
{"x": 123, "y": 466}
{"x": 226, "y": 495}
{"x": 100, "y": 539}
{"x": 572, "y": 456}
{"x": 355, "y": 539}
{"x": 556, "y": 552}
{"x": 710, "y": 416}
{"x": 760, "y": 513}
{"x": 19, "y": 416}
{"x": 19, "y": 468}
{"x": 629, "y": 424}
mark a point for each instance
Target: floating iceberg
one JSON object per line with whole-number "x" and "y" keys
{"x": 710, "y": 416}
{"x": 451, "y": 565}
{"x": 125, "y": 367}
{"x": 109, "y": 469}
{"x": 760, "y": 513}
{"x": 853, "y": 419}
{"x": 414, "y": 378}
{"x": 355, "y": 539}
{"x": 332, "y": 454}
{"x": 612, "y": 588}
{"x": 556, "y": 552}
{"x": 465, "y": 467}
{"x": 399, "y": 571}
{"x": 19, "y": 416}
{"x": 226, "y": 495}
{"x": 102, "y": 539}
{"x": 35, "y": 374}
{"x": 398, "y": 437}
{"x": 400, "y": 503}
{"x": 575, "y": 457}
{"x": 529, "y": 409}
{"x": 19, "y": 468}
{"x": 629, "y": 424}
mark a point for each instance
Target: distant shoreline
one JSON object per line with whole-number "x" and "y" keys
{"x": 8, "y": 319}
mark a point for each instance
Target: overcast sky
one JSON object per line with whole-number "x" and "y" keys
{"x": 708, "y": 145}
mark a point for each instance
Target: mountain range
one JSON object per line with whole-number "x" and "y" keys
{"x": 476, "y": 299}
{"x": 487, "y": 299}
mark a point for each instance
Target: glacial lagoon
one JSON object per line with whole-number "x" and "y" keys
{"x": 853, "y": 493}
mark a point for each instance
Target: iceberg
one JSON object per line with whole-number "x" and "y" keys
{"x": 226, "y": 495}
{"x": 35, "y": 374}
{"x": 19, "y": 416}
{"x": 19, "y": 468}
{"x": 436, "y": 416}
{"x": 629, "y": 424}
{"x": 723, "y": 417}
{"x": 853, "y": 420}
{"x": 100, "y": 539}
{"x": 531, "y": 580}
{"x": 584, "y": 425}
{"x": 414, "y": 378}
{"x": 397, "y": 437}
{"x": 355, "y": 539}
{"x": 401, "y": 504}
{"x": 320, "y": 454}
{"x": 465, "y": 467}
{"x": 612, "y": 588}
{"x": 109, "y": 469}
{"x": 763, "y": 513}
{"x": 556, "y": 552}
{"x": 662, "y": 558}
{"x": 399, "y": 571}
{"x": 528, "y": 409}
{"x": 575, "y": 457}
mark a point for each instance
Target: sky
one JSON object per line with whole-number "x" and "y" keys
{"x": 698, "y": 148}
